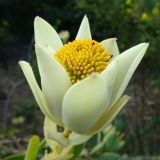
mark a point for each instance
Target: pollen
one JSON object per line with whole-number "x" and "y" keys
{"x": 82, "y": 58}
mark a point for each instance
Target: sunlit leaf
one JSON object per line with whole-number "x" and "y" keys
{"x": 33, "y": 148}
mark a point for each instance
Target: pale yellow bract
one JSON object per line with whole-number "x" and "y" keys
{"x": 89, "y": 105}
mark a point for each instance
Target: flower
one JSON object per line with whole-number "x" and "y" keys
{"x": 82, "y": 81}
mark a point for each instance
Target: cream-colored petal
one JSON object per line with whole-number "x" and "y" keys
{"x": 127, "y": 64}
{"x": 113, "y": 112}
{"x": 27, "y": 70}
{"x": 46, "y": 35}
{"x": 76, "y": 139}
{"x": 50, "y": 50}
{"x": 54, "y": 80}
{"x": 53, "y": 137}
{"x": 59, "y": 138}
{"x": 111, "y": 45}
{"x": 65, "y": 154}
{"x": 107, "y": 118}
{"x": 84, "y": 103}
{"x": 52, "y": 127}
{"x": 84, "y": 30}
{"x": 109, "y": 75}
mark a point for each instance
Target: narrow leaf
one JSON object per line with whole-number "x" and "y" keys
{"x": 33, "y": 148}
{"x": 41, "y": 145}
{"x": 15, "y": 157}
{"x": 77, "y": 150}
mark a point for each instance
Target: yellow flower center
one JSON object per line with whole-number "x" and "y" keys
{"x": 81, "y": 58}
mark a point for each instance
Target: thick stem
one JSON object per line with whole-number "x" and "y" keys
{"x": 66, "y": 132}
{"x": 58, "y": 147}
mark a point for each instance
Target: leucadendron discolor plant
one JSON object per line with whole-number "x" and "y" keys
{"x": 82, "y": 82}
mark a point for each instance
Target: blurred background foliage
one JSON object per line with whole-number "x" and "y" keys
{"x": 130, "y": 21}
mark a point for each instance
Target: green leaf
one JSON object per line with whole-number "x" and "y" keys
{"x": 33, "y": 148}
{"x": 109, "y": 156}
{"x": 77, "y": 150}
{"x": 119, "y": 145}
{"x": 41, "y": 145}
{"x": 110, "y": 143}
{"x": 124, "y": 157}
{"x": 15, "y": 157}
{"x": 97, "y": 148}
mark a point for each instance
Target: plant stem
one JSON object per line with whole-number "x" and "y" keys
{"x": 66, "y": 132}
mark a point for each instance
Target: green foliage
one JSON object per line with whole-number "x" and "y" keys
{"x": 77, "y": 150}
{"x": 156, "y": 84}
{"x": 135, "y": 139}
{"x": 108, "y": 142}
{"x": 41, "y": 146}
{"x": 114, "y": 143}
{"x": 27, "y": 107}
{"x": 109, "y": 156}
{"x": 15, "y": 157}
{"x": 6, "y": 138}
{"x": 33, "y": 148}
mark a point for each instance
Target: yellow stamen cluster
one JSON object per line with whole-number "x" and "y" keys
{"x": 80, "y": 58}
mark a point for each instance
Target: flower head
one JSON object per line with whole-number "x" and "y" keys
{"x": 80, "y": 58}
{"x": 82, "y": 81}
